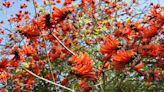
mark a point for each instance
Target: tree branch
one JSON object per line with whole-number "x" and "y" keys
{"x": 63, "y": 45}
{"x": 48, "y": 80}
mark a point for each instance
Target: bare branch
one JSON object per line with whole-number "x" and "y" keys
{"x": 63, "y": 44}
{"x": 48, "y": 80}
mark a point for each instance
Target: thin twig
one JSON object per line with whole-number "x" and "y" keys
{"x": 49, "y": 1}
{"x": 48, "y": 59}
{"x": 51, "y": 82}
{"x": 6, "y": 28}
{"x": 104, "y": 82}
{"x": 34, "y": 7}
{"x": 63, "y": 44}
{"x": 107, "y": 81}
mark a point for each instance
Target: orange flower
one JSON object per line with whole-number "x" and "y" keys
{"x": 3, "y": 63}
{"x": 85, "y": 86}
{"x": 29, "y": 80}
{"x": 56, "y": 52}
{"x": 123, "y": 56}
{"x": 23, "y": 6}
{"x": 107, "y": 1}
{"x": 156, "y": 49}
{"x": 106, "y": 65}
{"x": 82, "y": 65}
{"x": 4, "y": 75}
{"x": 139, "y": 66}
{"x": 82, "y": 61}
{"x": 18, "y": 56}
{"x": 109, "y": 45}
{"x": 67, "y": 2}
{"x": 151, "y": 50}
{"x": 30, "y": 31}
{"x": 157, "y": 13}
{"x": 4, "y": 90}
{"x": 7, "y": 4}
{"x": 124, "y": 33}
{"x": 60, "y": 14}
{"x": 39, "y": 22}
{"x": 14, "y": 62}
{"x": 28, "y": 87}
{"x": 66, "y": 27}
{"x": 58, "y": 1}
{"x": 109, "y": 11}
{"x": 150, "y": 32}
{"x": 28, "y": 50}
{"x": 120, "y": 59}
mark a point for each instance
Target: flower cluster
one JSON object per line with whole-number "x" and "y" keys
{"x": 82, "y": 65}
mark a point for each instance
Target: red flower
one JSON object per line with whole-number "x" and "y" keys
{"x": 28, "y": 87}
{"x": 29, "y": 80}
{"x": 56, "y": 52}
{"x": 17, "y": 89}
{"x": 85, "y": 86}
{"x": 7, "y": 4}
{"x": 160, "y": 64}
{"x": 64, "y": 81}
{"x": 156, "y": 74}
{"x": 118, "y": 66}
{"x": 49, "y": 76}
{"x": 139, "y": 66}
{"x": 152, "y": 75}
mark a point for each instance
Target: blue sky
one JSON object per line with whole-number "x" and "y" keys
{"x": 5, "y": 12}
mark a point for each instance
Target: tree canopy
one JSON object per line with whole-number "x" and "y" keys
{"x": 81, "y": 46}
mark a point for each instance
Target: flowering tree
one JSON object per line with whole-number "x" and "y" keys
{"x": 86, "y": 45}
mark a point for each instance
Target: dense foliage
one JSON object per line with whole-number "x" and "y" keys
{"x": 85, "y": 45}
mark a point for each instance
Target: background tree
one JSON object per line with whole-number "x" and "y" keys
{"x": 81, "y": 45}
